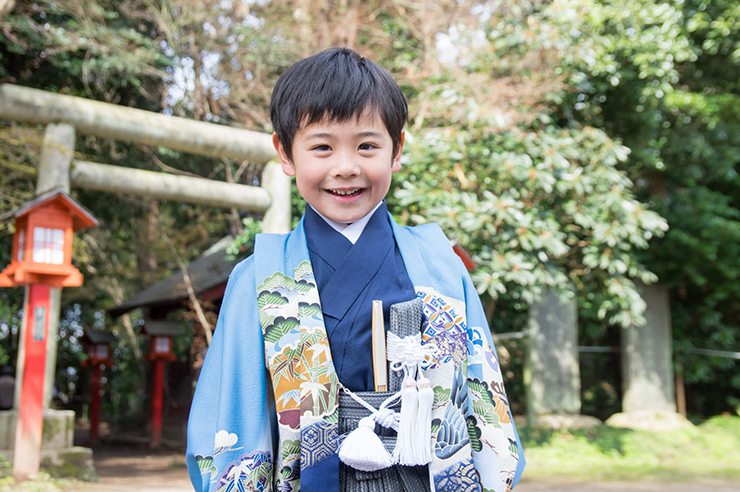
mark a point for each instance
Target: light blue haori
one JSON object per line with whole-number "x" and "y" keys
{"x": 264, "y": 415}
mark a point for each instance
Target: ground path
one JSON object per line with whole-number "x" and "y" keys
{"x": 132, "y": 469}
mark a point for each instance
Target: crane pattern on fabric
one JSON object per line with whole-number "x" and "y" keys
{"x": 250, "y": 472}
{"x": 471, "y": 420}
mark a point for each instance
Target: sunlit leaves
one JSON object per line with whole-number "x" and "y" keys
{"x": 538, "y": 208}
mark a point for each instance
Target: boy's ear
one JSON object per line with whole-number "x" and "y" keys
{"x": 288, "y": 167}
{"x": 396, "y": 163}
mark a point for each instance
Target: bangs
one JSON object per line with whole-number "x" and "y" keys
{"x": 335, "y": 86}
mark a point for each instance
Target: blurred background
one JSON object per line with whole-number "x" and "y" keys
{"x": 584, "y": 154}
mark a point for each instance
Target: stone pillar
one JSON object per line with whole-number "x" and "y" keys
{"x": 555, "y": 385}
{"x": 56, "y": 157}
{"x": 647, "y": 354}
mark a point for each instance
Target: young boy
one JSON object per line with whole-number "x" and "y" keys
{"x": 294, "y": 327}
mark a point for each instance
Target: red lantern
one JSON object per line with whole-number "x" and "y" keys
{"x": 160, "y": 334}
{"x": 41, "y": 260}
{"x": 98, "y": 355}
{"x": 42, "y": 243}
{"x": 97, "y": 347}
{"x": 160, "y": 350}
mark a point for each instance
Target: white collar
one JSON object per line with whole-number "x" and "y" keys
{"x": 353, "y": 230}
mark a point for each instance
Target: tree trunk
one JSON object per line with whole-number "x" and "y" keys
{"x": 146, "y": 254}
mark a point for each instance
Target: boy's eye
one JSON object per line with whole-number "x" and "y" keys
{"x": 321, "y": 148}
{"x": 367, "y": 146}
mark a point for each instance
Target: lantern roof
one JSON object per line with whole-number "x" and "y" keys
{"x": 99, "y": 336}
{"x": 81, "y": 217}
{"x": 156, "y": 328}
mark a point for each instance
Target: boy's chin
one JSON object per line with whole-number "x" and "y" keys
{"x": 346, "y": 216}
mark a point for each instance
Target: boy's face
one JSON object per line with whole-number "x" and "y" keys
{"x": 343, "y": 170}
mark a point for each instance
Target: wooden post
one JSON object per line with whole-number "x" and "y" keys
{"x": 27, "y": 454}
{"x": 97, "y": 376}
{"x": 157, "y": 394}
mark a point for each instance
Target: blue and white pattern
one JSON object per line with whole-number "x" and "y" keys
{"x": 475, "y": 443}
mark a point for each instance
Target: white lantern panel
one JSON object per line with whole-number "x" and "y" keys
{"x": 48, "y": 245}
{"x": 101, "y": 351}
{"x": 21, "y": 244}
{"x": 162, "y": 345}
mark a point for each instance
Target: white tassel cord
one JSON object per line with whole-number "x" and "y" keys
{"x": 404, "y": 450}
{"x": 424, "y": 421}
{"x": 414, "y": 444}
{"x": 363, "y": 450}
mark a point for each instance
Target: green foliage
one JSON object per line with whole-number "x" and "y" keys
{"x": 43, "y": 482}
{"x": 538, "y": 207}
{"x": 710, "y": 450}
{"x": 553, "y": 142}
{"x": 90, "y": 45}
{"x": 663, "y": 77}
{"x": 243, "y": 244}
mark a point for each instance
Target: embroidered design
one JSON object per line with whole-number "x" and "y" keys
{"x": 303, "y": 376}
{"x": 440, "y": 316}
{"x": 251, "y": 472}
{"x": 488, "y": 407}
{"x": 318, "y": 441}
{"x": 288, "y": 466}
{"x": 453, "y": 428}
{"x": 471, "y": 413}
{"x": 205, "y": 465}
{"x": 225, "y": 441}
{"x": 461, "y": 477}
{"x": 490, "y": 417}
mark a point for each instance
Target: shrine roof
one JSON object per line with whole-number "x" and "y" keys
{"x": 152, "y": 327}
{"x": 99, "y": 336}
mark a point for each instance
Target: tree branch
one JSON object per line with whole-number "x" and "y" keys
{"x": 191, "y": 293}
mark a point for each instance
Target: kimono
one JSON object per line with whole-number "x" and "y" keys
{"x": 264, "y": 415}
{"x": 349, "y": 278}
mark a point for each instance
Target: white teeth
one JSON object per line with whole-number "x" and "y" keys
{"x": 346, "y": 192}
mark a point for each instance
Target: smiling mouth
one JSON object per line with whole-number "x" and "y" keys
{"x": 352, "y": 192}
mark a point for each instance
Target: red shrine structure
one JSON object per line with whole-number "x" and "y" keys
{"x": 42, "y": 243}
{"x": 98, "y": 350}
{"x": 41, "y": 261}
{"x": 159, "y": 350}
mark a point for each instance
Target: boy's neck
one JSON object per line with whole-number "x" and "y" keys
{"x": 352, "y": 230}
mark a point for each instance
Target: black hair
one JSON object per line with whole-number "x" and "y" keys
{"x": 336, "y": 84}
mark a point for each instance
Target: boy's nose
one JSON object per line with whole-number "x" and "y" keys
{"x": 345, "y": 166}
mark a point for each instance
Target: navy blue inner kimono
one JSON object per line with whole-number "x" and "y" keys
{"x": 349, "y": 278}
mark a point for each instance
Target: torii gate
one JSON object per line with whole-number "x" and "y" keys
{"x": 64, "y": 116}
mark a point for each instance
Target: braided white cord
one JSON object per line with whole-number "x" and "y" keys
{"x": 384, "y": 416}
{"x": 409, "y": 354}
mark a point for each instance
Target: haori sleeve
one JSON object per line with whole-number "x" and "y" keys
{"x": 497, "y": 449}
{"x": 232, "y": 420}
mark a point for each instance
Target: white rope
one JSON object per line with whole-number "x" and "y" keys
{"x": 383, "y": 416}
